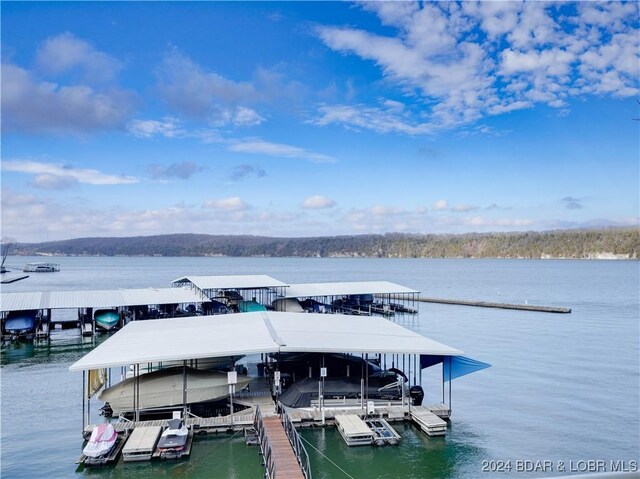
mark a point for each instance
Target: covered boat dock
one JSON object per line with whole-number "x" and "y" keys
{"x": 129, "y": 304}
{"x": 355, "y": 297}
{"x": 268, "y": 332}
{"x": 236, "y": 291}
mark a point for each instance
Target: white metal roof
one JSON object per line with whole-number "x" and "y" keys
{"x": 307, "y": 290}
{"x": 243, "y": 281}
{"x": 97, "y": 298}
{"x": 251, "y": 333}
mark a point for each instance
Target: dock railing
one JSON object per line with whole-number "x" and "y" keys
{"x": 296, "y": 444}
{"x": 265, "y": 447}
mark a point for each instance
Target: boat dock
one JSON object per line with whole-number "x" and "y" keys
{"x": 489, "y": 304}
{"x": 279, "y": 336}
{"x": 13, "y": 279}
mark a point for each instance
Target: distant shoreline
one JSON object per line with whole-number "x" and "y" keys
{"x": 601, "y": 244}
{"x": 559, "y": 258}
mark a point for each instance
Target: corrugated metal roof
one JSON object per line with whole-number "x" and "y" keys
{"x": 244, "y": 281}
{"x": 20, "y": 301}
{"x": 307, "y": 290}
{"x": 97, "y": 298}
{"x": 251, "y": 333}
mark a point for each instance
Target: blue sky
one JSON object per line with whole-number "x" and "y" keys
{"x": 317, "y": 118}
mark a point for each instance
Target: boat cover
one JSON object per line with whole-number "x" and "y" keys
{"x": 175, "y": 436}
{"x": 101, "y": 441}
{"x": 300, "y": 393}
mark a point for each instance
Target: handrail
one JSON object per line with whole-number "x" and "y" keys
{"x": 296, "y": 442}
{"x": 265, "y": 446}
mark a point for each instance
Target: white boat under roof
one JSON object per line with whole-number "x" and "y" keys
{"x": 164, "y": 388}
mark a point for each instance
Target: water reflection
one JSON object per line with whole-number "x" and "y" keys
{"x": 418, "y": 456}
{"x": 63, "y": 346}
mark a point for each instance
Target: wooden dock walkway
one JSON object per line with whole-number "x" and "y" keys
{"x": 286, "y": 463}
{"x": 241, "y": 420}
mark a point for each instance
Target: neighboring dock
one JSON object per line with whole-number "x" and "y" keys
{"x": 13, "y": 279}
{"x": 488, "y": 304}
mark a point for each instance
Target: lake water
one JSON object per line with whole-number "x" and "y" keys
{"x": 562, "y": 388}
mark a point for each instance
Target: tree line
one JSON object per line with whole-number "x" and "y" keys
{"x": 622, "y": 242}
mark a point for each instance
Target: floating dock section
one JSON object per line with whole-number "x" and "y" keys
{"x": 141, "y": 444}
{"x": 430, "y": 424}
{"x": 354, "y": 430}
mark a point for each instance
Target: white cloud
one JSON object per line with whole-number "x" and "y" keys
{"x": 441, "y": 205}
{"x": 261, "y": 147}
{"x": 35, "y": 106}
{"x": 189, "y": 89}
{"x": 379, "y": 210}
{"x": 54, "y": 182}
{"x": 318, "y": 202}
{"x": 182, "y": 170}
{"x": 239, "y": 116}
{"x": 553, "y": 62}
{"x": 25, "y": 215}
{"x": 461, "y": 62}
{"x": 240, "y": 172}
{"x": 244, "y": 116}
{"x": 65, "y": 52}
{"x": 50, "y": 173}
{"x": 234, "y": 203}
{"x": 390, "y": 118}
{"x": 462, "y": 208}
{"x": 168, "y": 127}
{"x": 479, "y": 221}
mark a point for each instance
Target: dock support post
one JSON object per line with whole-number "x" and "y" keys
{"x": 184, "y": 389}
{"x": 83, "y": 389}
{"x": 136, "y": 394}
{"x": 449, "y": 386}
{"x": 442, "y": 380}
{"x": 409, "y": 381}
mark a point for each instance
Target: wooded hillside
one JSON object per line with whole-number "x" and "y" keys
{"x": 621, "y": 242}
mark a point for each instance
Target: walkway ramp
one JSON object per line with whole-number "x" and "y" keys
{"x": 286, "y": 463}
{"x": 431, "y": 424}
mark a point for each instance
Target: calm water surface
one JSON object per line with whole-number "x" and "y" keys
{"x": 562, "y": 387}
